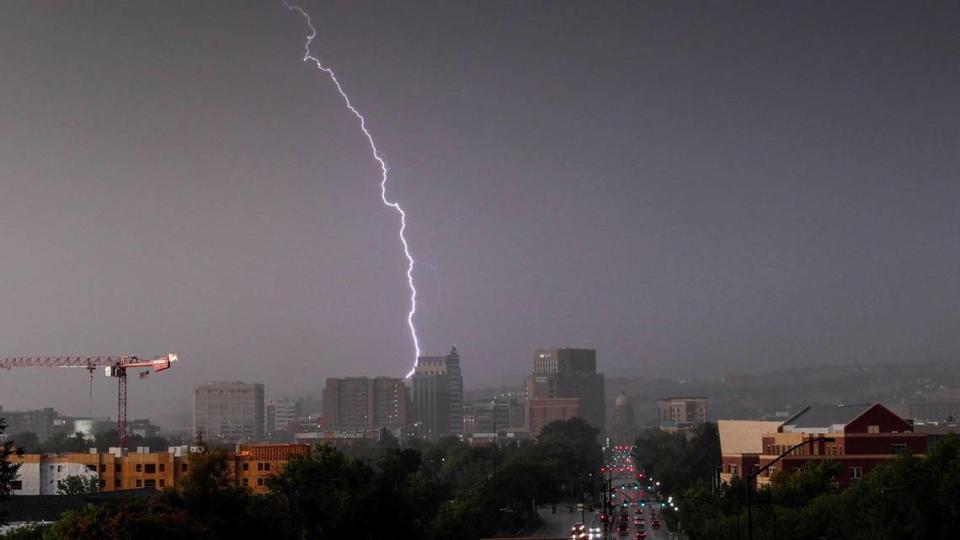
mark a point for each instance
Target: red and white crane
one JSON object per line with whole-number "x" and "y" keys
{"x": 113, "y": 366}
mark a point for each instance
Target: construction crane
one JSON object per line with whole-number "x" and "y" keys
{"x": 113, "y": 366}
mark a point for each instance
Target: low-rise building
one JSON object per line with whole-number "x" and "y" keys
{"x": 682, "y": 413}
{"x": 344, "y": 440}
{"x": 859, "y": 437}
{"x": 117, "y": 470}
{"x": 741, "y": 444}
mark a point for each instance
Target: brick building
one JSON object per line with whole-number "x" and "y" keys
{"x": 864, "y": 436}
{"x": 541, "y": 412}
{"x": 563, "y": 374}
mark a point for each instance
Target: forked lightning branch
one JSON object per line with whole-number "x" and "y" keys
{"x": 309, "y": 57}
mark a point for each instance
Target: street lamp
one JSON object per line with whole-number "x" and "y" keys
{"x": 750, "y": 477}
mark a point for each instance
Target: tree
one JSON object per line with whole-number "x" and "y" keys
{"x": 151, "y": 519}
{"x": 570, "y": 450}
{"x": 78, "y": 485}
{"x": 523, "y": 481}
{"x": 8, "y": 470}
{"x": 676, "y": 462}
{"x": 324, "y": 494}
{"x": 61, "y": 442}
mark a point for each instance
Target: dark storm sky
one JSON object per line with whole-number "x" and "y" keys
{"x": 683, "y": 185}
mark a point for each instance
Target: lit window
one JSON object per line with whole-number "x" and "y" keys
{"x": 856, "y": 473}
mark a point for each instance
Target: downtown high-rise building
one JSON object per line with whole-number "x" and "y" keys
{"x": 438, "y": 394}
{"x": 365, "y": 403}
{"x": 282, "y": 414}
{"x": 564, "y": 374}
{"x": 230, "y": 411}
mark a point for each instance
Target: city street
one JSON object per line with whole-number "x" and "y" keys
{"x": 630, "y": 496}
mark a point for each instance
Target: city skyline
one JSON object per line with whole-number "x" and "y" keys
{"x": 685, "y": 190}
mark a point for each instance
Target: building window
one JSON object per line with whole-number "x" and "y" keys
{"x": 116, "y": 484}
{"x": 266, "y": 466}
{"x": 16, "y": 484}
{"x": 139, "y": 483}
{"x": 59, "y": 468}
{"x": 246, "y": 482}
{"x": 103, "y": 468}
{"x": 898, "y": 448}
{"x": 139, "y": 467}
{"x": 259, "y": 481}
{"x": 246, "y": 466}
{"x": 163, "y": 467}
{"x": 150, "y": 483}
{"x": 116, "y": 468}
{"x": 163, "y": 482}
{"x": 150, "y": 468}
{"x": 856, "y": 473}
{"x": 873, "y": 429}
{"x": 259, "y": 466}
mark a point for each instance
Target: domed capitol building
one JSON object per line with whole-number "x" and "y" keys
{"x": 623, "y": 424}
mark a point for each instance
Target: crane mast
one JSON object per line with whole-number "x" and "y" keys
{"x": 113, "y": 366}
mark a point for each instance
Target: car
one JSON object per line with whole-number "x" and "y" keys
{"x": 639, "y": 522}
{"x": 641, "y": 535}
{"x": 655, "y": 524}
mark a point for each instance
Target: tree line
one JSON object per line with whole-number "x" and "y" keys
{"x": 432, "y": 490}
{"x": 909, "y": 497}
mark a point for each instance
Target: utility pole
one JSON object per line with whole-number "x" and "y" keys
{"x": 749, "y": 478}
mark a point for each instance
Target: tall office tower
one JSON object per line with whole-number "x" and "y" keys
{"x": 231, "y": 411}
{"x": 363, "y": 403}
{"x": 390, "y": 403}
{"x": 569, "y": 373}
{"x": 281, "y": 412}
{"x": 438, "y": 394}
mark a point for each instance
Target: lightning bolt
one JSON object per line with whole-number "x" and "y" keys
{"x": 308, "y": 57}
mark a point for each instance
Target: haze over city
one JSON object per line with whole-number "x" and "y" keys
{"x": 689, "y": 190}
